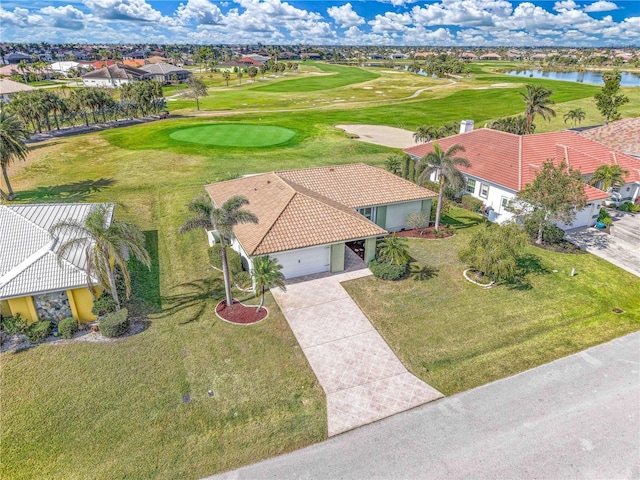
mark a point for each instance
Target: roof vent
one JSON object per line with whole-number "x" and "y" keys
{"x": 466, "y": 126}
{"x": 332, "y": 169}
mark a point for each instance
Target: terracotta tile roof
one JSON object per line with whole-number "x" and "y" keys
{"x": 295, "y": 211}
{"x": 623, "y": 135}
{"x": 357, "y": 185}
{"x": 513, "y": 160}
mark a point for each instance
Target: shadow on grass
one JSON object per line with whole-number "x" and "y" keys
{"x": 196, "y": 296}
{"x": 42, "y": 145}
{"x": 145, "y": 282}
{"x": 70, "y": 192}
{"x": 420, "y": 272}
{"x": 528, "y": 264}
{"x": 463, "y": 221}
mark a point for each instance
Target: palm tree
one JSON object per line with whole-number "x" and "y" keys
{"x": 12, "y": 147}
{"x": 444, "y": 163}
{"x": 197, "y": 89}
{"x": 577, "y": 115}
{"x": 239, "y": 74}
{"x": 266, "y": 274}
{"x": 537, "y": 100}
{"x": 425, "y": 133}
{"x": 223, "y": 219}
{"x": 226, "y": 75}
{"x": 394, "y": 250}
{"x": 609, "y": 175}
{"x": 105, "y": 246}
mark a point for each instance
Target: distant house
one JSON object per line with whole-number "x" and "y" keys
{"x": 623, "y": 135}
{"x": 165, "y": 72}
{"x": 502, "y": 164}
{"x": 136, "y": 54}
{"x": 248, "y": 61}
{"x": 157, "y": 59}
{"x": 113, "y": 76}
{"x": 17, "y": 57}
{"x": 98, "y": 64}
{"x": 288, "y": 56}
{"x": 425, "y": 54}
{"x": 490, "y": 56}
{"x": 469, "y": 56}
{"x": 539, "y": 56}
{"x": 35, "y": 281}
{"x": 8, "y": 88}
{"x": 308, "y": 216}
{"x": 311, "y": 56}
{"x": 63, "y": 68}
{"x": 231, "y": 66}
{"x": 133, "y": 62}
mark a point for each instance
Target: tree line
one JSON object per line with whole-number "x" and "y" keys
{"x": 41, "y": 110}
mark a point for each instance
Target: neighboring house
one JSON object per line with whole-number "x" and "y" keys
{"x": 165, "y": 72}
{"x": 11, "y": 70}
{"x": 113, "y": 76}
{"x": 133, "y": 62}
{"x": 307, "y": 216}
{"x": 35, "y": 281}
{"x": 503, "y": 163}
{"x": 14, "y": 58}
{"x": 469, "y": 56}
{"x": 623, "y": 135}
{"x": 156, "y": 59}
{"x": 9, "y": 88}
{"x": 249, "y": 61}
{"x": 64, "y": 67}
{"x": 490, "y": 56}
{"x": 231, "y": 66}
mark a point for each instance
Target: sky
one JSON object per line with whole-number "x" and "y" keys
{"x": 570, "y": 23}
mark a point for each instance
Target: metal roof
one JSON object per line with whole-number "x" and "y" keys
{"x": 29, "y": 261}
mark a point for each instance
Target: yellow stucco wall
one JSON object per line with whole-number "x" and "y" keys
{"x": 81, "y": 304}
{"x": 5, "y": 311}
{"x": 25, "y": 307}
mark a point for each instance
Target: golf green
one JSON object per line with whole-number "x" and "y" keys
{"x": 235, "y": 135}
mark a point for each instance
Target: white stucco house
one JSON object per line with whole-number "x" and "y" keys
{"x": 113, "y": 76}
{"x": 307, "y": 216}
{"x": 502, "y": 164}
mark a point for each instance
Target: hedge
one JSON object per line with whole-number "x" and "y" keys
{"x": 550, "y": 235}
{"x": 67, "y": 327}
{"x": 387, "y": 271}
{"x": 14, "y": 325}
{"x": 114, "y": 324}
{"x": 103, "y": 305}
{"x": 471, "y": 203}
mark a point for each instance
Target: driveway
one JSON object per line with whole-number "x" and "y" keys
{"x": 362, "y": 378}
{"x": 621, "y": 247}
{"x": 575, "y": 418}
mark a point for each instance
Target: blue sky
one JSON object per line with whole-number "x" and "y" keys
{"x": 367, "y": 22}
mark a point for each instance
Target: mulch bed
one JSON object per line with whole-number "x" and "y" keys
{"x": 240, "y": 314}
{"x": 424, "y": 233}
{"x": 562, "y": 247}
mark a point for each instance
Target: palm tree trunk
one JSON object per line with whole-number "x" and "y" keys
{"x": 259, "y": 309}
{"x": 11, "y": 195}
{"x": 112, "y": 285}
{"x": 540, "y": 232}
{"x": 439, "y": 207}
{"x": 197, "y": 104}
{"x": 225, "y": 274}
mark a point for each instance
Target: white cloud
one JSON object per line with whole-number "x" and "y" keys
{"x": 67, "y": 17}
{"x": 131, "y": 10}
{"x": 201, "y": 11}
{"x": 601, "y": 6}
{"x": 390, "y": 22}
{"x": 344, "y": 16}
{"x": 398, "y": 3}
{"x": 564, "y": 5}
{"x": 467, "y": 13}
{"x": 20, "y": 17}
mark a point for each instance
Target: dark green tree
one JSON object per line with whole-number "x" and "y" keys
{"x": 609, "y": 100}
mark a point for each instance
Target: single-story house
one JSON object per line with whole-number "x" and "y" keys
{"x": 64, "y": 67}
{"x": 502, "y": 164}
{"x": 113, "y": 76}
{"x": 9, "y": 88}
{"x": 165, "y": 72}
{"x": 623, "y": 135}
{"x": 231, "y": 66}
{"x": 307, "y": 216}
{"x": 35, "y": 281}
{"x": 490, "y": 56}
{"x": 133, "y": 62}
{"x": 469, "y": 56}
{"x": 17, "y": 57}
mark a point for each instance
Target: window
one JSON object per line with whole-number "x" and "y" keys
{"x": 504, "y": 202}
{"x": 471, "y": 185}
{"x": 368, "y": 212}
{"x": 484, "y": 190}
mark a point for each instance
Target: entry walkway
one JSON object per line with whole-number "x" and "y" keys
{"x": 362, "y": 378}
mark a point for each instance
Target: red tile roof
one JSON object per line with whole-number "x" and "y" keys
{"x": 513, "y": 160}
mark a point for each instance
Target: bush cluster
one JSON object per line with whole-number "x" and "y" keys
{"x": 471, "y": 203}
{"x": 104, "y": 305}
{"x": 604, "y": 217}
{"x": 629, "y": 207}
{"x": 387, "y": 271}
{"x": 67, "y": 327}
{"x": 14, "y": 325}
{"x": 550, "y": 234}
{"x": 38, "y": 331}
{"x": 114, "y": 324}
{"x": 233, "y": 259}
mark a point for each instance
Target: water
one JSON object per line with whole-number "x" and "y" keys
{"x": 628, "y": 79}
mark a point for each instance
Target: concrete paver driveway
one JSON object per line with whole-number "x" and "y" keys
{"x": 362, "y": 378}
{"x": 621, "y": 247}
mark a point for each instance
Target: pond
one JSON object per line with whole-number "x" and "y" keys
{"x": 628, "y": 79}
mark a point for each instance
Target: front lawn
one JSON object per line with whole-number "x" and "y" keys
{"x": 455, "y": 335}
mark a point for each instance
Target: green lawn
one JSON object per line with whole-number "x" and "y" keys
{"x": 235, "y": 135}
{"x": 455, "y": 335}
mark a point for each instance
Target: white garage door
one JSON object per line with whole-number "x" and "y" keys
{"x": 306, "y": 261}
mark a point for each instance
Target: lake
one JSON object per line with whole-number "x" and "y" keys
{"x": 627, "y": 80}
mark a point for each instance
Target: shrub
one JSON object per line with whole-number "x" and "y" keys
{"x": 103, "y": 305}
{"x": 629, "y": 207}
{"x": 38, "y": 331}
{"x": 417, "y": 220}
{"x": 471, "y": 203}
{"x": 603, "y": 215}
{"x": 387, "y": 271}
{"x": 233, "y": 258}
{"x": 449, "y": 193}
{"x": 115, "y": 324}
{"x": 444, "y": 210}
{"x": 14, "y": 325}
{"x": 67, "y": 327}
{"x": 242, "y": 280}
{"x": 550, "y": 234}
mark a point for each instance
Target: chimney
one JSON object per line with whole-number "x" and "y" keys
{"x": 466, "y": 126}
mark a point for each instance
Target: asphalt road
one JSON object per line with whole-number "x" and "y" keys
{"x": 575, "y": 418}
